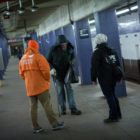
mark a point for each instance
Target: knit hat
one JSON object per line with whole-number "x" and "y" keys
{"x": 33, "y": 44}
{"x": 100, "y": 38}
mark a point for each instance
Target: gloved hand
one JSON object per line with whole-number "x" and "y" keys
{"x": 53, "y": 72}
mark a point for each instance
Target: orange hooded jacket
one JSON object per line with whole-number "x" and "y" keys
{"x": 35, "y": 70}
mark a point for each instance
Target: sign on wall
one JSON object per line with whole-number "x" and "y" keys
{"x": 1, "y": 60}
{"x": 84, "y": 33}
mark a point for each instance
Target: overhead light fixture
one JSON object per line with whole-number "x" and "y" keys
{"x": 34, "y": 8}
{"x": 91, "y": 21}
{"x": 134, "y": 8}
{"x": 7, "y": 12}
{"x": 122, "y": 11}
{"x": 21, "y": 10}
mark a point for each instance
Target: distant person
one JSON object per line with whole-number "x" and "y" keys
{"x": 104, "y": 60}
{"x": 35, "y": 70}
{"x": 19, "y": 54}
{"x": 60, "y": 58}
{"x": 15, "y": 51}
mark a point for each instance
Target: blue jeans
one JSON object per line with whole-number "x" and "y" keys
{"x": 61, "y": 86}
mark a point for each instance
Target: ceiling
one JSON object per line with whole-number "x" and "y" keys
{"x": 28, "y": 19}
{"x": 31, "y": 20}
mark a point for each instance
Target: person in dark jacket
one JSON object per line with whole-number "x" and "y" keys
{"x": 60, "y": 57}
{"x": 101, "y": 69}
{"x": 19, "y": 53}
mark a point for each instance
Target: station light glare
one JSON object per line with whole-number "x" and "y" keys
{"x": 122, "y": 11}
{"x": 21, "y": 10}
{"x": 34, "y": 9}
{"x": 134, "y": 8}
{"x": 7, "y": 12}
{"x": 91, "y": 21}
{"x": 93, "y": 30}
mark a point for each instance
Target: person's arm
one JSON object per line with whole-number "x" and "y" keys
{"x": 117, "y": 59}
{"x": 44, "y": 67}
{"x": 21, "y": 73}
{"x": 118, "y": 64}
{"x": 49, "y": 57}
{"x": 72, "y": 56}
{"x": 95, "y": 64}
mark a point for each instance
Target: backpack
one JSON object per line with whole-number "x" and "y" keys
{"x": 111, "y": 60}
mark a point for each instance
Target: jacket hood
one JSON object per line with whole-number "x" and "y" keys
{"x": 60, "y": 40}
{"x": 30, "y": 50}
{"x": 33, "y": 44}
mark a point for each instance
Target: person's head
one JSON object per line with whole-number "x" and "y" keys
{"x": 100, "y": 38}
{"x": 33, "y": 44}
{"x": 62, "y": 42}
{"x": 64, "y": 46}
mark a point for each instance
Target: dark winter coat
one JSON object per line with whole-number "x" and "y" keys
{"x": 101, "y": 69}
{"x": 59, "y": 59}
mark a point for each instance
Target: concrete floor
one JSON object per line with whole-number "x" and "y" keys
{"x": 15, "y": 123}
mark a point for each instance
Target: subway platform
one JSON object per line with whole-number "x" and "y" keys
{"x": 15, "y": 123}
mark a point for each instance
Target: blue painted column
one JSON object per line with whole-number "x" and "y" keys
{"x": 69, "y": 33}
{"x": 84, "y": 49}
{"x": 138, "y": 2}
{"x": 59, "y": 32}
{"x": 106, "y": 23}
{"x": 52, "y": 38}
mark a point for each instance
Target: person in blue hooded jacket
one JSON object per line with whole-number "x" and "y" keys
{"x": 60, "y": 57}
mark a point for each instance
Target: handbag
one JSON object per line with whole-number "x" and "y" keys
{"x": 71, "y": 76}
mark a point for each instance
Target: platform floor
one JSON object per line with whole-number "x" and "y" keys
{"x": 15, "y": 123}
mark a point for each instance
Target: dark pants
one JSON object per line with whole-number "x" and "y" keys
{"x": 113, "y": 102}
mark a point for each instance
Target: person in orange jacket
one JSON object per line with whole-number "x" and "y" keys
{"x": 35, "y": 70}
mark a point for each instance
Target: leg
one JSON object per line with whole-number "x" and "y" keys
{"x": 112, "y": 106}
{"x": 33, "y": 111}
{"x": 44, "y": 98}
{"x": 70, "y": 96}
{"x": 61, "y": 95}
{"x": 118, "y": 107}
{"x": 109, "y": 94}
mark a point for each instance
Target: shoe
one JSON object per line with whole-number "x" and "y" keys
{"x": 75, "y": 112}
{"x": 110, "y": 120}
{"x": 37, "y": 130}
{"x": 63, "y": 113}
{"x": 58, "y": 127}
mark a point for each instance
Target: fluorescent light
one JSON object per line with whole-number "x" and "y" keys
{"x": 34, "y": 9}
{"x": 134, "y": 8}
{"x": 21, "y": 10}
{"x": 91, "y": 21}
{"x": 122, "y": 11}
{"x": 7, "y": 12}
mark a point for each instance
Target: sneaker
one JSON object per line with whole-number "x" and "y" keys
{"x": 75, "y": 112}
{"x": 110, "y": 120}
{"x": 37, "y": 130}
{"x": 58, "y": 127}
